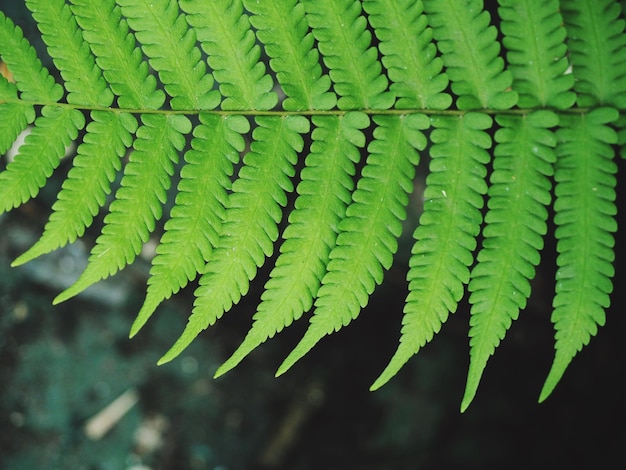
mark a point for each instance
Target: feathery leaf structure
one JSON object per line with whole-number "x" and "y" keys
{"x": 233, "y": 97}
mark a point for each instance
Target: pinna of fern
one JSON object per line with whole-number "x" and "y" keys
{"x": 189, "y": 88}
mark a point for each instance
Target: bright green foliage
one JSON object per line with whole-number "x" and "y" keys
{"x": 446, "y": 236}
{"x": 171, "y": 48}
{"x": 283, "y": 29}
{"x": 470, "y": 54}
{"x": 585, "y": 205}
{"x": 33, "y": 80}
{"x": 533, "y": 36}
{"x": 41, "y": 153}
{"x": 139, "y": 200}
{"x": 121, "y": 61}
{"x": 597, "y": 43}
{"x": 251, "y": 225}
{"x": 409, "y": 53}
{"x": 312, "y": 115}
{"x": 222, "y": 28}
{"x": 513, "y": 235}
{"x": 83, "y": 80}
{"x": 88, "y": 182}
{"x": 345, "y": 45}
{"x": 377, "y": 209}
{"x": 520, "y": 182}
{"x": 194, "y": 226}
{"x": 323, "y": 195}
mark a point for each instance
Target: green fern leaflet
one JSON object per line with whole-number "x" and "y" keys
{"x": 294, "y": 128}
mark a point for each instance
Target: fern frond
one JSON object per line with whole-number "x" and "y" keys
{"x": 597, "y": 43}
{"x": 282, "y": 27}
{"x": 345, "y": 44}
{"x": 41, "y": 153}
{"x": 138, "y": 202}
{"x": 170, "y": 46}
{"x": 193, "y": 229}
{"x": 585, "y": 219}
{"x": 409, "y": 54}
{"x": 446, "y": 236}
{"x": 368, "y": 236}
{"x": 520, "y": 184}
{"x": 224, "y": 32}
{"x": 83, "y": 79}
{"x": 470, "y": 53}
{"x": 88, "y": 182}
{"x": 534, "y": 39}
{"x": 513, "y": 235}
{"x": 323, "y": 195}
{"x": 32, "y": 79}
{"x": 14, "y": 118}
{"x": 251, "y": 225}
{"x": 116, "y": 54}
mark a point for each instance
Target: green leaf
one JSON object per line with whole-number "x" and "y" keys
{"x": 195, "y": 222}
{"x": 323, "y": 195}
{"x": 251, "y": 225}
{"x": 170, "y": 47}
{"x": 116, "y": 53}
{"x": 138, "y": 202}
{"x": 283, "y": 29}
{"x": 409, "y": 54}
{"x": 470, "y": 53}
{"x": 597, "y": 43}
{"x": 345, "y": 44}
{"x": 41, "y": 153}
{"x": 513, "y": 236}
{"x": 88, "y": 182}
{"x": 32, "y": 79}
{"x": 585, "y": 219}
{"x": 14, "y": 117}
{"x": 225, "y": 34}
{"x": 71, "y": 55}
{"x": 368, "y": 235}
{"x": 534, "y": 39}
{"x": 446, "y": 235}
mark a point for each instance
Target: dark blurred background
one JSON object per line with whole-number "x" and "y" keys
{"x": 61, "y": 367}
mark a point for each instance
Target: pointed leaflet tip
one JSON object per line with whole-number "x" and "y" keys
{"x": 561, "y": 361}
{"x": 310, "y": 339}
{"x": 253, "y": 339}
{"x": 70, "y": 292}
{"x": 475, "y": 372}
{"x": 401, "y": 357}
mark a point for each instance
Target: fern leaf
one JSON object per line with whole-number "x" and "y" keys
{"x": 513, "y": 236}
{"x": 224, "y": 32}
{"x": 170, "y": 45}
{"x": 138, "y": 202}
{"x": 368, "y": 235}
{"x": 71, "y": 55}
{"x": 409, "y": 53}
{"x": 345, "y": 44}
{"x": 585, "y": 219}
{"x": 88, "y": 182}
{"x": 534, "y": 39}
{"x": 597, "y": 43}
{"x": 323, "y": 195}
{"x": 41, "y": 153}
{"x": 195, "y": 220}
{"x": 14, "y": 117}
{"x": 116, "y": 54}
{"x": 251, "y": 225}
{"x": 32, "y": 79}
{"x": 283, "y": 29}
{"x": 446, "y": 236}
{"x": 470, "y": 53}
